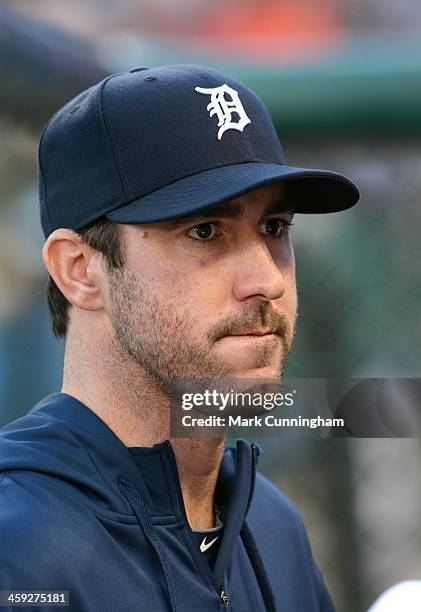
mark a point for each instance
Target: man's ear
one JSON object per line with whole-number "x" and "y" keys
{"x": 76, "y": 269}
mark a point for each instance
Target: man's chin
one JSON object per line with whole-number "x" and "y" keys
{"x": 243, "y": 366}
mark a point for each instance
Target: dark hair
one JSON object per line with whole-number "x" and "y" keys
{"x": 102, "y": 235}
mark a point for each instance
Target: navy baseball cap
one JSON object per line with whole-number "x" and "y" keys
{"x": 160, "y": 143}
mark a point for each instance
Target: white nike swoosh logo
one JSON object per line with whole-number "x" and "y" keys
{"x": 204, "y": 547}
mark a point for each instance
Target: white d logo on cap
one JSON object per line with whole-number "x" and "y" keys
{"x": 224, "y": 108}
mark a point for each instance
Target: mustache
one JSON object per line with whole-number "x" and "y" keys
{"x": 251, "y": 321}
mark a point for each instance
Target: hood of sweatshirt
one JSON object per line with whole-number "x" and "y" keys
{"x": 64, "y": 439}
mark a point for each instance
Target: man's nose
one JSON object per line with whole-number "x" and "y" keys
{"x": 258, "y": 274}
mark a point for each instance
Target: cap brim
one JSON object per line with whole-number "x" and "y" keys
{"x": 312, "y": 191}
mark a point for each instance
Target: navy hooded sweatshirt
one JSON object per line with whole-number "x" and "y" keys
{"x": 81, "y": 512}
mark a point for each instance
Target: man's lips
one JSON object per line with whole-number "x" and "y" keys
{"x": 253, "y": 334}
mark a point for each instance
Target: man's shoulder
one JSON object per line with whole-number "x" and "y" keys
{"x": 42, "y": 532}
{"x": 272, "y": 512}
{"x": 269, "y": 499}
{"x": 29, "y": 531}
{"x": 282, "y": 540}
{"x": 33, "y": 510}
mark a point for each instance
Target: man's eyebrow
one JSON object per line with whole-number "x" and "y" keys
{"x": 228, "y": 210}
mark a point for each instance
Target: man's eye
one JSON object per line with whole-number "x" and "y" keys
{"x": 276, "y": 227}
{"x": 204, "y": 231}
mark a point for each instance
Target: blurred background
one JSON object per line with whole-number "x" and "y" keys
{"x": 342, "y": 80}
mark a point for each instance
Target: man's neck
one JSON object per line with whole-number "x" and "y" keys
{"x": 137, "y": 411}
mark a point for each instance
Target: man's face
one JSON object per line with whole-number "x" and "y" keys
{"x": 195, "y": 292}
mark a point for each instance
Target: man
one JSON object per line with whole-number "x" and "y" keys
{"x": 166, "y": 203}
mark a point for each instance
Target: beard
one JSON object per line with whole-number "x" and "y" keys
{"x": 157, "y": 334}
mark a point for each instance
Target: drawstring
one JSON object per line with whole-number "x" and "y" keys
{"x": 259, "y": 568}
{"x": 238, "y": 503}
{"x": 131, "y": 494}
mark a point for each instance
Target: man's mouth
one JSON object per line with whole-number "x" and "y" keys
{"x": 256, "y": 334}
